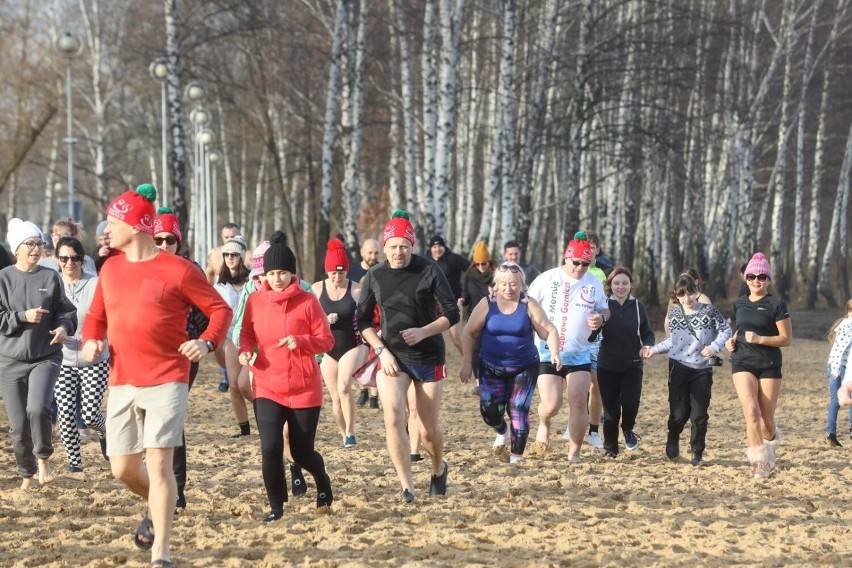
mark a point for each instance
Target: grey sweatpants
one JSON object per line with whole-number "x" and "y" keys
{"x": 27, "y": 394}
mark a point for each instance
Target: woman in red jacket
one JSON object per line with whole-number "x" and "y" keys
{"x": 287, "y": 327}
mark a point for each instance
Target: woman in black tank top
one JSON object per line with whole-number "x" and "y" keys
{"x": 338, "y": 295}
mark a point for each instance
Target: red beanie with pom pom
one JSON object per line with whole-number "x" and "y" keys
{"x": 335, "y": 256}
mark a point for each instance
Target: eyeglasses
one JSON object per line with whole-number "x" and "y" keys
{"x": 170, "y": 240}
{"x": 76, "y": 259}
{"x": 481, "y": 263}
{"x": 513, "y": 268}
{"x": 758, "y": 277}
{"x": 581, "y": 263}
{"x": 230, "y": 254}
{"x": 33, "y": 244}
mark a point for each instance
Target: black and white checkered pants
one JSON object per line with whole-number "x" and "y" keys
{"x": 86, "y": 385}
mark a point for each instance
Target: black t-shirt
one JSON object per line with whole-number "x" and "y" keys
{"x": 760, "y": 317}
{"x": 356, "y": 272}
{"x": 454, "y": 266}
{"x": 408, "y": 297}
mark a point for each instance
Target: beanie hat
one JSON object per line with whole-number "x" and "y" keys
{"x": 101, "y": 230}
{"x": 167, "y": 222}
{"x": 335, "y": 256}
{"x": 758, "y": 265}
{"x": 579, "y": 247}
{"x": 279, "y": 256}
{"x": 19, "y": 231}
{"x": 480, "y": 252}
{"x": 237, "y": 245}
{"x": 257, "y": 259}
{"x": 437, "y": 240}
{"x": 136, "y": 208}
{"x": 398, "y": 226}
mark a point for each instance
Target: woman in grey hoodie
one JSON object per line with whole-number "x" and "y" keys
{"x": 35, "y": 319}
{"x": 81, "y": 383}
{"x": 698, "y": 333}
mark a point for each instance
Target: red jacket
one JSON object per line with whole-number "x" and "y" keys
{"x": 289, "y": 377}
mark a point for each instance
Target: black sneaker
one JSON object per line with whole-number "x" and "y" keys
{"x": 672, "y": 446}
{"x": 325, "y": 497}
{"x": 181, "y": 500}
{"x": 611, "y": 454}
{"x": 408, "y": 496}
{"x": 833, "y": 442}
{"x": 103, "y": 448}
{"x": 416, "y": 458}
{"x": 299, "y": 485}
{"x": 224, "y": 385}
{"x": 631, "y": 440}
{"x": 697, "y": 459}
{"x": 374, "y": 402}
{"x": 438, "y": 486}
{"x": 75, "y": 469}
{"x": 272, "y": 517}
{"x": 362, "y": 398}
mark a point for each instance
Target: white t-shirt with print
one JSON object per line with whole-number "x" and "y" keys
{"x": 568, "y": 303}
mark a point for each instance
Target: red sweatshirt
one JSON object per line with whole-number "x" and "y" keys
{"x": 289, "y": 377}
{"x": 142, "y": 307}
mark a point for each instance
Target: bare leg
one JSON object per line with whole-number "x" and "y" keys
{"x": 392, "y": 390}
{"x": 414, "y": 427}
{"x": 350, "y": 361}
{"x": 244, "y": 383}
{"x": 767, "y": 399}
{"x": 428, "y": 396}
{"x": 162, "y": 493}
{"x": 746, "y": 386}
{"x": 232, "y": 362}
{"x": 328, "y": 367}
{"x": 550, "y": 393}
{"x": 578, "y": 421}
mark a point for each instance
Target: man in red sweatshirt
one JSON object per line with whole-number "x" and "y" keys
{"x": 141, "y": 300}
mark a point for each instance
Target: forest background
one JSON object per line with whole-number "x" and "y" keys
{"x": 685, "y": 132}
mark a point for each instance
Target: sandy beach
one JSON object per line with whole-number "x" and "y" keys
{"x": 639, "y": 509}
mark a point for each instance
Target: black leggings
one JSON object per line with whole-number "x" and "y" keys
{"x": 303, "y": 422}
{"x": 689, "y": 399}
{"x": 620, "y": 394}
{"x": 179, "y": 460}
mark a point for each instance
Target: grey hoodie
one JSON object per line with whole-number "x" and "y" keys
{"x": 80, "y": 294}
{"x": 21, "y": 291}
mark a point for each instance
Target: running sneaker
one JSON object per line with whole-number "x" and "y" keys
{"x": 697, "y": 459}
{"x": 224, "y": 385}
{"x": 299, "y": 485}
{"x": 761, "y": 470}
{"x": 374, "y": 402}
{"x": 272, "y": 517}
{"x": 631, "y": 440}
{"x": 594, "y": 440}
{"x": 349, "y": 442}
{"x": 438, "y": 486}
{"x": 408, "y": 496}
{"x": 499, "y": 441}
{"x": 833, "y": 441}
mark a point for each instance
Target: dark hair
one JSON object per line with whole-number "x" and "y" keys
{"x": 694, "y": 274}
{"x": 231, "y": 226}
{"x": 241, "y": 276}
{"x": 70, "y": 242}
{"x": 511, "y": 244}
{"x": 615, "y": 272}
{"x": 593, "y": 238}
{"x": 684, "y": 283}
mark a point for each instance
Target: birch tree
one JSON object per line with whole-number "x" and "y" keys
{"x": 177, "y": 153}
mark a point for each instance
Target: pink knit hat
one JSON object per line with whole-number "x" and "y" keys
{"x": 758, "y": 265}
{"x": 257, "y": 259}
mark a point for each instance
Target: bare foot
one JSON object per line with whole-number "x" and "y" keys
{"x": 45, "y": 474}
{"x": 27, "y": 483}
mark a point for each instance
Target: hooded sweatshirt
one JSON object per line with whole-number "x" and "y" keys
{"x": 290, "y": 377}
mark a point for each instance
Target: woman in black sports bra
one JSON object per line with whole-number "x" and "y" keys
{"x": 338, "y": 296}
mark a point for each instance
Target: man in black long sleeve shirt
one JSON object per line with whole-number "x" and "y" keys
{"x": 454, "y": 266}
{"x": 409, "y": 290}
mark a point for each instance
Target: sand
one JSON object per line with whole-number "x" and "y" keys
{"x": 639, "y": 509}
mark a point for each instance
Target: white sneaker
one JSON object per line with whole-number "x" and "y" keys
{"x": 499, "y": 441}
{"x": 594, "y": 440}
{"x": 515, "y": 458}
{"x": 567, "y": 434}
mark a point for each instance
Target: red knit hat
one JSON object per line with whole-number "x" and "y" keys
{"x": 579, "y": 247}
{"x": 167, "y": 222}
{"x": 335, "y": 256}
{"x": 136, "y": 208}
{"x": 398, "y": 226}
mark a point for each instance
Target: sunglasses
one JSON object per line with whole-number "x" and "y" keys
{"x": 758, "y": 277}
{"x": 481, "y": 263}
{"x": 513, "y": 268}
{"x": 76, "y": 259}
{"x": 581, "y": 263}
{"x": 170, "y": 240}
{"x": 230, "y": 254}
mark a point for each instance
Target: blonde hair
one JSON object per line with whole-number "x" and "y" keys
{"x": 832, "y": 331}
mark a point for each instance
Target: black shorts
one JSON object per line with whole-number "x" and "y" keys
{"x": 773, "y": 373}
{"x": 549, "y": 369}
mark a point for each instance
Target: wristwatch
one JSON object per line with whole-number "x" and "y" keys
{"x": 378, "y": 350}
{"x": 211, "y": 347}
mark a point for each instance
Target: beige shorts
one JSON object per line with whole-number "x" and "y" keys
{"x": 145, "y": 417}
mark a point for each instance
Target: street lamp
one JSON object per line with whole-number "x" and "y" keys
{"x": 159, "y": 72}
{"x": 206, "y": 137}
{"x": 214, "y": 157}
{"x": 199, "y": 118}
{"x": 69, "y": 47}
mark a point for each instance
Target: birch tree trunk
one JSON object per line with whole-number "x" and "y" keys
{"x": 507, "y": 117}
{"x": 230, "y": 198}
{"x": 835, "y": 233}
{"x": 177, "y": 154}
{"x": 408, "y": 117}
{"x": 429, "y": 71}
{"x": 351, "y": 192}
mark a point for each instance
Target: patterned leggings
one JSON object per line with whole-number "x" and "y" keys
{"x": 512, "y": 387}
{"x": 86, "y": 384}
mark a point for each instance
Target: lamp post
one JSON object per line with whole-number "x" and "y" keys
{"x": 69, "y": 47}
{"x": 159, "y": 72}
{"x": 214, "y": 157}
{"x": 206, "y": 137}
{"x": 195, "y": 93}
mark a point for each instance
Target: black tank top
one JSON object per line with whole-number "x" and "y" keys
{"x": 343, "y": 330}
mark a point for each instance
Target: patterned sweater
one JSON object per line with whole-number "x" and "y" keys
{"x": 683, "y": 346}
{"x": 837, "y": 359}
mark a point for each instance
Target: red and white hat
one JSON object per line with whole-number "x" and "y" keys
{"x": 136, "y": 208}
